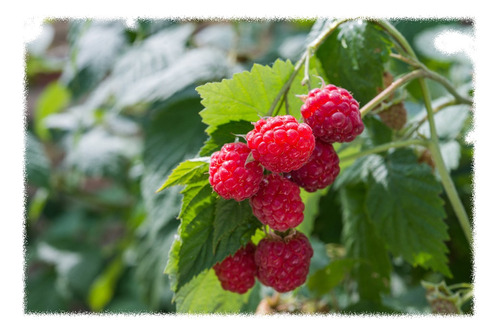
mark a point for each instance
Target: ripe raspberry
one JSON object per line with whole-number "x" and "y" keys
{"x": 333, "y": 114}
{"x": 283, "y": 263}
{"x": 321, "y": 170}
{"x": 237, "y": 273}
{"x": 278, "y": 203}
{"x": 229, "y": 174}
{"x": 394, "y": 117}
{"x": 280, "y": 143}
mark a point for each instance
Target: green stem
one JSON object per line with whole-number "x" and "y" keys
{"x": 385, "y": 147}
{"x": 446, "y": 180}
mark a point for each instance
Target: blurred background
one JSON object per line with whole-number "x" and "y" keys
{"x": 106, "y": 103}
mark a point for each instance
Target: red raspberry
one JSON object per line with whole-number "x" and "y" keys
{"x": 237, "y": 273}
{"x": 283, "y": 263}
{"x": 229, "y": 174}
{"x": 333, "y": 114}
{"x": 321, "y": 170}
{"x": 280, "y": 143}
{"x": 278, "y": 203}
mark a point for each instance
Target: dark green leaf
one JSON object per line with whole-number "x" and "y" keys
{"x": 353, "y": 57}
{"x": 404, "y": 202}
{"x": 37, "y": 162}
{"x": 211, "y": 229}
{"x": 363, "y": 242}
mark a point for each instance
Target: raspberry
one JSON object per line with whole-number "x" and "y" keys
{"x": 237, "y": 272}
{"x": 321, "y": 170}
{"x": 231, "y": 176}
{"x": 278, "y": 203}
{"x": 333, "y": 114}
{"x": 280, "y": 143}
{"x": 395, "y": 116}
{"x": 283, "y": 263}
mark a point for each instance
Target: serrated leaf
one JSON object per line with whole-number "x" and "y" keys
{"x": 173, "y": 134}
{"x": 362, "y": 241}
{"x": 404, "y": 202}
{"x": 204, "y": 239}
{"x": 229, "y": 215}
{"x": 188, "y": 171}
{"x": 204, "y": 294}
{"x": 245, "y": 97}
{"x": 353, "y": 57}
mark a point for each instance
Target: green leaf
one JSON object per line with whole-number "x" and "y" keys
{"x": 211, "y": 229}
{"x": 188, "y": 171}
{"x": 362, "y": 241}
{"x": 204, "y": 294}
{"x": 359, "y": 171}
{"x": 327, "y": 278}
{"x": 229, "y": 215}
{"x": 246, "y": 97}
{"x": 375, "y": 133}
{"x": 232, "y": 104}
{"x": 353, "y": 57}
{"x": 404, "y": 202}
{"x": 53, "y": 99}
{"x": 328, "y": 222}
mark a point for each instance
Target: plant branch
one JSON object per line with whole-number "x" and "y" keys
{"x": 390, "y": 90}
{"x": 446, "y": 180}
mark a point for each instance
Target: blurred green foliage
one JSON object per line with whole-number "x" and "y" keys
{"x": 116, "y": 110}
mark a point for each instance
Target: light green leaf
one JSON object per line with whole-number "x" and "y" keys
{"x": 204, "y": 294}
{"x": 53, "y": 99}
{"x": 186, "y": 172}
{"x": 404, "y": 202}
{"x": 246, "y": 97}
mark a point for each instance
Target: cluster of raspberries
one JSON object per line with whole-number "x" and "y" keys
{"x": 281, "y": 156}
